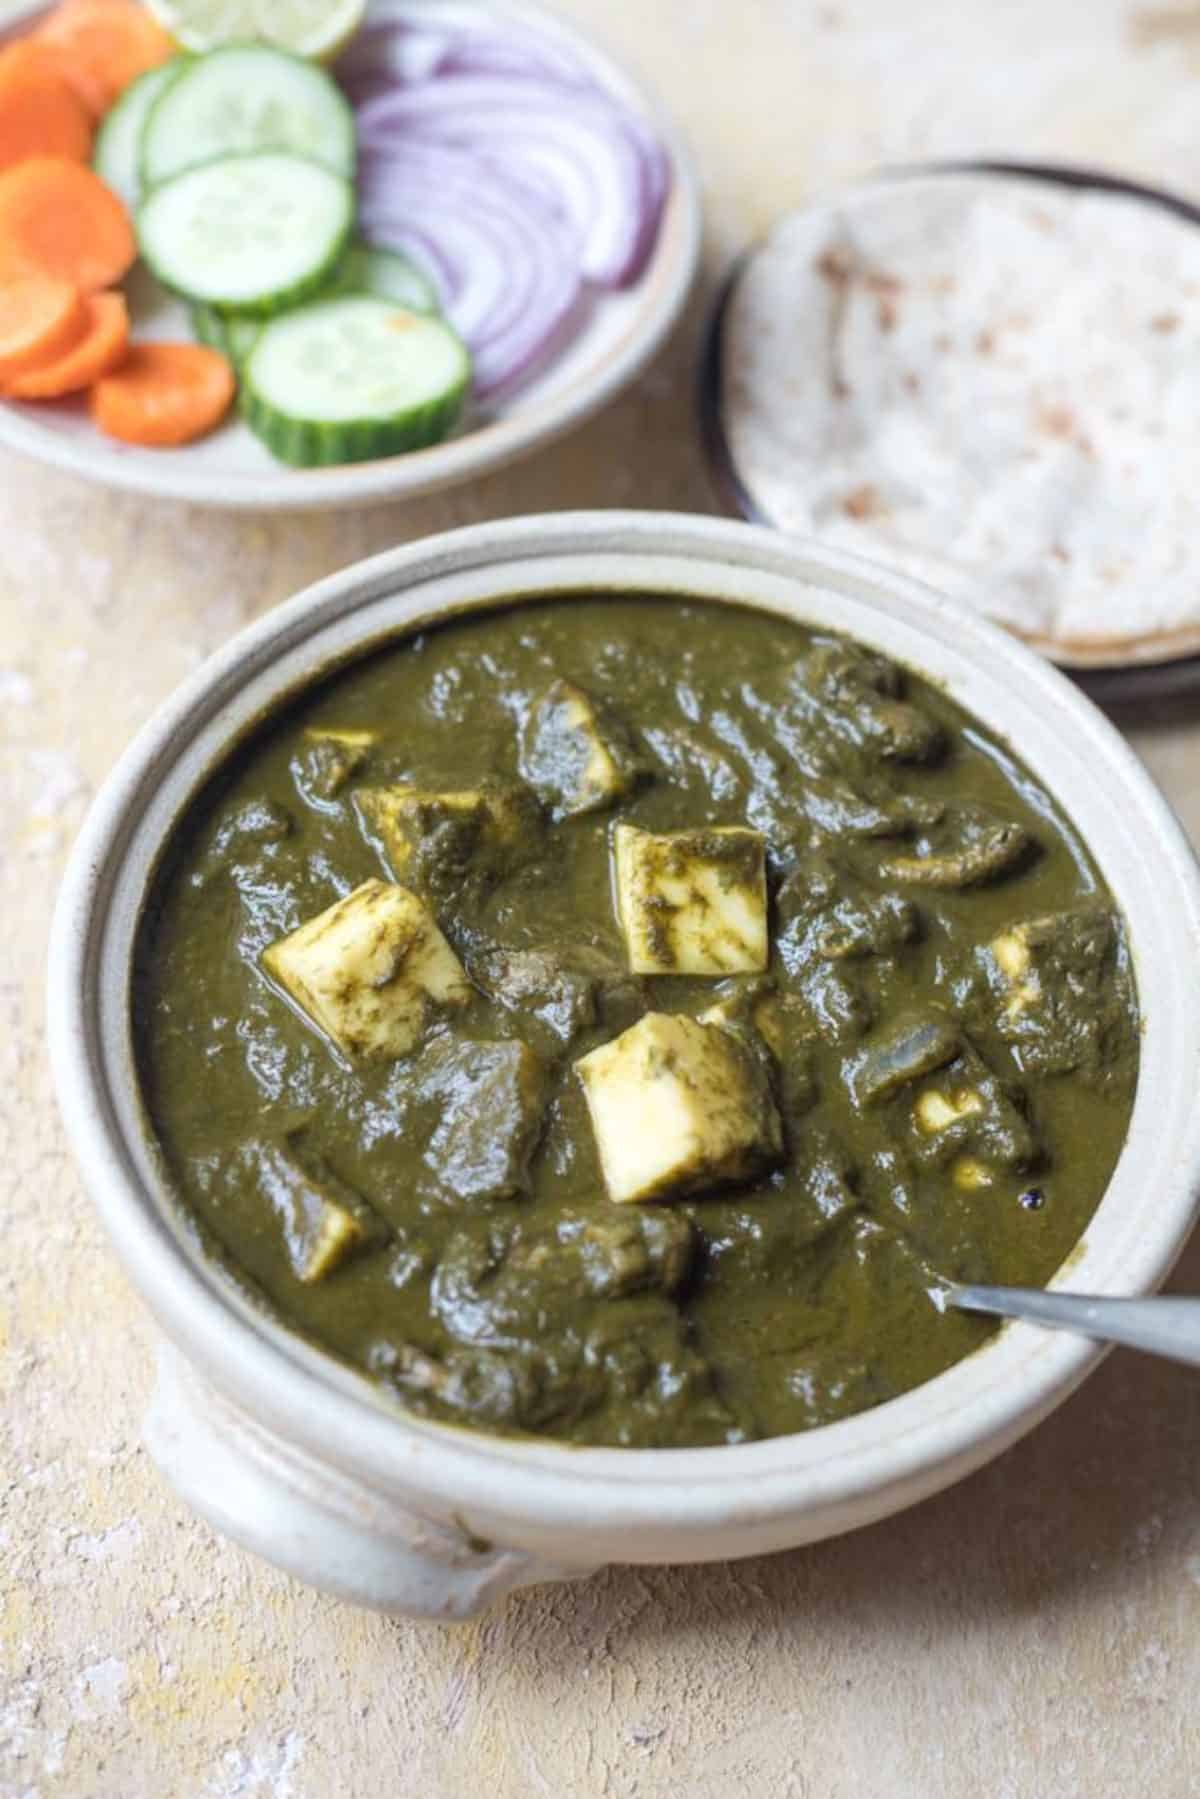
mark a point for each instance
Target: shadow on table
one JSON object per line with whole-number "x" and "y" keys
{"x": 1113, "y": 1479}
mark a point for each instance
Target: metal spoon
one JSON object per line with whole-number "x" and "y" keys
{"x": 1167, "y": 1327}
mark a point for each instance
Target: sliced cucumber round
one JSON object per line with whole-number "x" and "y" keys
{"x": 247, "y": 233}
{"x": 243, "y": 98}
{"x": 351, "y": 379}
{"x": 386, "y": 274}
{"x": 234, "y": 334}
{"x": 116, "y": 156}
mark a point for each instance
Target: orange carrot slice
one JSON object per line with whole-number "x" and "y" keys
{"x": 100, "y": 350}
{"x": 164, "y": 395}
{"x": 40, "y": 112}
{"x": 57, "y": 218}
{"x": 40, "y": 320}
{"x": 107, "y": 44}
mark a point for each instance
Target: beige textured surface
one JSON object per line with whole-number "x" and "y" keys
{"x": 1034, "y": 1633}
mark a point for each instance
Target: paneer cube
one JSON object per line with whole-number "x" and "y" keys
{"x": 439, "y": 841}
{"x": 347, "y": 739}
{"x": 1014, "y": 960}
{"x": 677, "y": 1105}
{"x": 327, "y": 761}
{"x": 1063, "y": 993}
{"x": 369, "y": 970}
{"x": 692, "y": 902}
{"x": 323, "y": 1222}
{"x": 971, "y": 1175}
{"x": 578, "y": 757}
{"x": 936, "y": 1111}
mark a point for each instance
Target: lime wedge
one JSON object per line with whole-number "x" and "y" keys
{"x": 314, "y": 28}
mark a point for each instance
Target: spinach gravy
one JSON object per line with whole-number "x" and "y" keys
{"x": 617, "y": 1018}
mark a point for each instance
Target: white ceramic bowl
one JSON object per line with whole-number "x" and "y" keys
{"x": 301, "y": 1459}
{"x": 232, "y": 469}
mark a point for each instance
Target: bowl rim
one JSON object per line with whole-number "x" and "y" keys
{"x": 664, "y": 286}
{"x": 858, "y": 1468}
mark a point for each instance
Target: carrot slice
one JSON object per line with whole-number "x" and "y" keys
{"x": 164, "y": 395}
{"x": 57, "y": 218}
{"x": 108, "y": 44}
{"x": 40, "y": 112}
{"x": 40, "y": 320}
{"x": 100, "y": 350}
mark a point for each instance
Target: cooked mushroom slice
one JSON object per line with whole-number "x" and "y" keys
{"x": 970, "y": 850}
{"x": 861, "y": 697}
{"x": 577, "y": 754}
{"x": 911, "y": 1049}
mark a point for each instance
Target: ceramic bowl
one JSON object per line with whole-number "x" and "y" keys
{"x": 234, "y": 471}
{"x": 300, "y": 1458}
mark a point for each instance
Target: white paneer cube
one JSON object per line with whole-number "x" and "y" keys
{"x": 677, "y": 1105}
{"x": 693, "y": 902}
{"x": 578, "y": 760}
{"x": 936, "y": 1111}
{"x": 348, "y": 739}
{"x": 369, "y": 970}
{"x": 485, "y": 823}
{"x": 333, "y": 1236}
{"x": 1013, "y": 957}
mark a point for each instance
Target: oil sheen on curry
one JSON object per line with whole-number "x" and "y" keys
{"x": 615, "y": 1019}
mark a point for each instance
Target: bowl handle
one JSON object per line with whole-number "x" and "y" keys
{"x": 317, "y": 1524}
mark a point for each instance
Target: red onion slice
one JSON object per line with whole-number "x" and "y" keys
{"x": 506, "y": 268}
{"x": 406, "y": 46}
{"x": 386, "y": 56}
{"x": 606, "y": 170}
{"x": 495, "y": 158}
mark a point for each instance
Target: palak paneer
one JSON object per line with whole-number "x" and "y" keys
{"x": 617, "y": 1018}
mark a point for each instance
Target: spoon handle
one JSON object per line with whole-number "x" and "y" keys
{"x": 1167, "y": 1327}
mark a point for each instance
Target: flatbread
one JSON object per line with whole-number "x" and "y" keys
{"x": 989, "y": 382}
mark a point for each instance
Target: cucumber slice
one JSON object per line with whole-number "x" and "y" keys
{"x": 208, "y": 327}
{"x": 387, "y": 275}
{"x": 232, "y": 333}
{"x": 245, "y": 98}
{"x": 353, "y": 378}
{"x": 117, "y": 153}
{"x": 247, "y": 233}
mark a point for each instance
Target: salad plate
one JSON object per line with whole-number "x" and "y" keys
{"x": 610, "y": 335}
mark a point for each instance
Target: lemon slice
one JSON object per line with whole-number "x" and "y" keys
{"x": 314, "y": 28}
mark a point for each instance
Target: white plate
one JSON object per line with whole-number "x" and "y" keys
{"x": 232, "y": 469}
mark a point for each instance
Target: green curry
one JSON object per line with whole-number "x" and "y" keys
{"x": 616, "y": 1019}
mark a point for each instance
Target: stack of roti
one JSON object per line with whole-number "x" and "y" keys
{"x": 992, "y": 383}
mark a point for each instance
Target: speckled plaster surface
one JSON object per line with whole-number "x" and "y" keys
{"x": 1033, "y": 1634}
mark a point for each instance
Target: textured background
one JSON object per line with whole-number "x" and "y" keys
{"x": 1032, "y": 1633}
